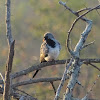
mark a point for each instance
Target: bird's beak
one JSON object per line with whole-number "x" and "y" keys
{"x": 43, "y": 40}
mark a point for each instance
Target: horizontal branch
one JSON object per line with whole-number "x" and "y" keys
{"x": 45, "y": 64}
{"x": 27, "y": 98}
{"x": 36, "y": 81}
{"x": 37, "y": 67}
{"x": 22, "y": 97}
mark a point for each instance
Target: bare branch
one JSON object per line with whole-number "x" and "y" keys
{"x": 53, "y": 87}
{"x": 81, "y": 17}
{"x": 46, "y": 64}
{"x": 2, "y": 77}
{"x": 86, "y": 45}
{"x": 76, "y": 64}
{"x": 73, "y": 79}
{"x": 63, "y": 80}
{"x": 22, "y": 91}
{"x": 27, "y": 98}
{"x": 31, "y": 81}
{"x": 76, "y": 53}
{"x": 94, "y": 83}
{"x": 22, "y": 97}
{"x": 87, "y": 61}
{"x": 7, "y": 73}
{"x": 83, "y": 37}
{"x": 8, "y": 24}
{"x": 37, "y": 67}
{"x": 81, "y": 10}
{"x": 95, "y": 66}
{"x": 11, "y": 42}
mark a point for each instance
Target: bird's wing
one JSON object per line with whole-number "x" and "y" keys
{"x": 59, "y": 46}
{"x": 43, "y": 51}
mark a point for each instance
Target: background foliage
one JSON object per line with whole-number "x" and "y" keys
{"x": 30, "y": 20}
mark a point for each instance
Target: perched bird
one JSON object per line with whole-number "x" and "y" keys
{"x": 50, "y": 49}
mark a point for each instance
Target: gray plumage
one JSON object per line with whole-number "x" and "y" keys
{"x": 50, "y": 48}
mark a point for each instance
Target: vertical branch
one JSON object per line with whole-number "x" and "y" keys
{"x": 77, "y": 64}
{"x": 75, "y": 54}
{"x": 11, "y": 42}
{"x": 8, "y": 23}
{"x": 6, "y": 95}
{"x": 63, "y": 80}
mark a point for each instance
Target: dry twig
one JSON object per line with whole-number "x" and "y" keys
{"x": 31, "y": 81}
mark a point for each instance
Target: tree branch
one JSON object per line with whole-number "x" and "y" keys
{"x": 63, "y": 80}
{"x": 27, "y": 98}
{"x": 31, "y": 81}
{"x": 2, "y": 77}
{"x": 7, "y": 73}
{"x": 22, "y": 91}
{"x": 95, "y": 66}
{"x": 79, "y": 17}
{"x": 53, "y": 87}
{"x": 90, "y": 90}
{"x": 46, "y": 64}
{"x": 76, "y": 53}
{"x": 86, "y": 45}
{"x": 11, "y": 42}
{"x": 8, "y": 24}
{"x": 37, "y": 67}
{"x": 81, "y": 10}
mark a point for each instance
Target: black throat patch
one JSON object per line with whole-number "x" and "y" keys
{"x": 50, "y": 43}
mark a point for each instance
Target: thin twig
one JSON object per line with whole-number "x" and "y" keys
{"x": 22, "y": 91}
{"x": 94, "y": 83}
{"x": 35, "y": 73}
{"x": 2, "y": 77}
{"x": 84, "y": 9}
{"x": 94, "y": 66}
{"x": 53, "y": 87}
{"x": 86, "y": 45}
{"x": 81, "y": 17}
{"x": 97, "y": 12}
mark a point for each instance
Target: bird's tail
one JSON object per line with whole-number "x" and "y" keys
{"x": 35, "y": 73}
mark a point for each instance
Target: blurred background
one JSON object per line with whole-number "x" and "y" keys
{"x": 30, "y": 19}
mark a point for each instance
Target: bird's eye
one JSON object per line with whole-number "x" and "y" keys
{"x": 46, "y": 37}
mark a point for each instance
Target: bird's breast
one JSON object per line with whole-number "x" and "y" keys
{"x": 52, "y": 54}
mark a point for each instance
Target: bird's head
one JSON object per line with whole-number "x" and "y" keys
{"x": 48, "y": 35}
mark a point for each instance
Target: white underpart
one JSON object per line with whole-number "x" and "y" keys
{"x": 53, "y": 53}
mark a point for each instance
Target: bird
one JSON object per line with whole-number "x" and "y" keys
{"x": 49, "y": 50}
